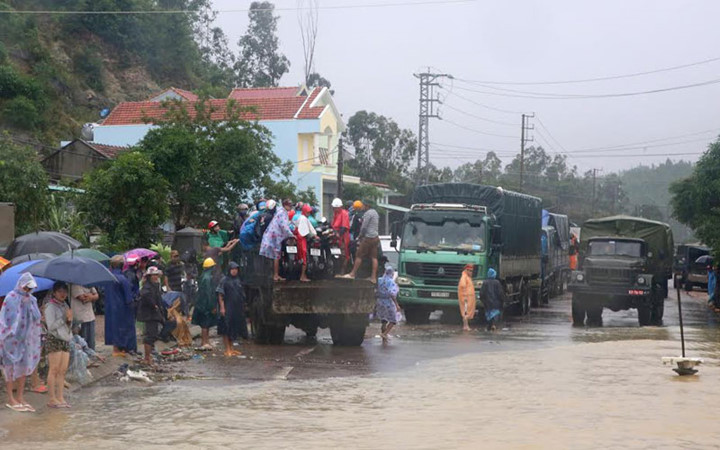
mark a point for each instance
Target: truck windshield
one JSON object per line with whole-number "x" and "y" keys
{"x": 450, "y": 235}
{"x": 615, "y": 248}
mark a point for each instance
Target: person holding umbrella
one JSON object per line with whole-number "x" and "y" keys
{"x": 58, "y": 318}
{"x": 19, "y": 340}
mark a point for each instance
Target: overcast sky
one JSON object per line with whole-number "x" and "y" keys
{"x": 370, "y": 55}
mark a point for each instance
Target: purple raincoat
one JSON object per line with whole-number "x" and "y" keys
{"x": 19, "y": 332}
{"x": 277, "y": 231}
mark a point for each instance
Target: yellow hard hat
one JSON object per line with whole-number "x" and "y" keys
{"x": 209, "y": 262}
{"x": 357, "y": 204}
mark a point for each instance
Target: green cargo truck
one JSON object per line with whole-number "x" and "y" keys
{"x": 452, "y": 224}
{"x": 625, "y": 262}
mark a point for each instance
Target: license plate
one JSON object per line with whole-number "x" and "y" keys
{"x": 292, "y": 250}
{"x": 335, "y": 251}
{"x": 440, "y": 294}
{"x": 315, "y": 252}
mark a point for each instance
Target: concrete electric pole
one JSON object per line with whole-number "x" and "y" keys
{"x": 428, "y": 99}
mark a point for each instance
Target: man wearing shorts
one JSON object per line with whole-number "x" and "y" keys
{"x": 369, "y": 241}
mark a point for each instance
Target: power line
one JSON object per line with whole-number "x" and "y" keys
{"x": 587, "y": 80}
{"x": 469, "y": 100}
{"x": 478, "y": 131}
{"x": 555, "y": 96}
{"x": 241, "y": 10}
{"x": 479, "y": 117}
{"x": 550, "y": 134}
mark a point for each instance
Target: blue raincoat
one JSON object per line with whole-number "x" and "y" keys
{"x": 120, "y": 314}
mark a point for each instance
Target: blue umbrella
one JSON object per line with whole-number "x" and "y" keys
{"x": 10, "y": 277}
{"x": 73, "y": 270}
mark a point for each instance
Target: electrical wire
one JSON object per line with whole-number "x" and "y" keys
{"x": 555, "y": 96}
{"x": 469, "y": 100}
{"x": 540, "y": 122}
{"x": 241, "y": 10}
{"x": 478, "y": 131}
{"x": 479, "y": 117}
{"x": 588, "y": 80}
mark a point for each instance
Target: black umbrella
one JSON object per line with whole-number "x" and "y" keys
{"x": 31, "y": 257}
{"x": 705, "y": 260}
{"x": 73, "y": 270}
{"x": 41, "y": 242}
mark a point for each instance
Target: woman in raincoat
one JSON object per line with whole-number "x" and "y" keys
{"x": 278, "y": 230}
{"x": 387, "y": 307}
{"x": 205, "y": 312}
{"x": 231, "y": 300}
{"x": 120, "y": 312}
{"x": 492, "y": 296}
{"x": 466, "y": 296}
{"x": 19, "y": 340}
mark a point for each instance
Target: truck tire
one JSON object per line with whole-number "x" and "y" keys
{"x": 594, "y": 315}
{"x": 276, "y": 334}
{"x": 261, "y": 332}
{"x": 578, "y": 311}
{"x": 688, "y": 286}
{"x": 450, "y": 316}
{"x": 644, "y": 312}
{"x": 416, "y": 315}
{"x": 348, "y": 335}
{"x": 658, "y": 309}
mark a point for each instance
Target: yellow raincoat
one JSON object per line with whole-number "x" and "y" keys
{"x": 466, "y": 296}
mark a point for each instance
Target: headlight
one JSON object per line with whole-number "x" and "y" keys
{"x": 640, "y": 280}
{"x": 403, "y": 281}
{"x": 579, "y": 277}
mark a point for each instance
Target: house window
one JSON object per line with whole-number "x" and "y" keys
{"x": 324, "y": 156}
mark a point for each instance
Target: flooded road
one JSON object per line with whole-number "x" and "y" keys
{"x": 538, "y": 384}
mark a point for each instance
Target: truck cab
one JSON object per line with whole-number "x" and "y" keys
{"x": 625, "y": 264}
{"x": 438, "y": 240}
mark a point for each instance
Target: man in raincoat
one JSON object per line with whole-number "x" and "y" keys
{"x": 205, "y": 313}
{"x": 492, "y": 296}
{"x": 151, "y": 310}
{"x": 466, "y": 296}
{"x": 277, "y": 231}
{"x": 19, "y": 340}
{"x": 119, "y": 312}
{"x": 231, "y": 300}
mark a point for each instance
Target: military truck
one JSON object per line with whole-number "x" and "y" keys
{"x": 685, "y": 256}
{"x": 7, "y": 225}
{"x": 555, "y": 245}
{"x": 341, "y": 305}
{"x": 450, "y": 225}
{"x": 625, "y": 263}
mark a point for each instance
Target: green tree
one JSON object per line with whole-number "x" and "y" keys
{"x": 260, "y": 63}
{"x": 24, "y": 183}
{"x": 383, "y": 150}
{"x": 696, "y": 199}
{"x": 126, "y": 199}
{"x": 210, "y": 165}
{"x": 487, "y": 171}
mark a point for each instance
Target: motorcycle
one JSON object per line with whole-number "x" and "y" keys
{"x": 290, "y": 265}
{"x": 324, "y": 253}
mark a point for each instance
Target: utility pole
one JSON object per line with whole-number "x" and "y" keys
{"x": 523, "y": 140}
{"x": 340, "y": 162}
{"x": 594, "y": 197}
{"x": 428, "y": 99}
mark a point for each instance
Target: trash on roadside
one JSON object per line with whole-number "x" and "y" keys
{"x": 138, "y": 375}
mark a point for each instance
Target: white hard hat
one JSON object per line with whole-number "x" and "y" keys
{"x": 270, "y": 205}
{"x": 337, "y": 203}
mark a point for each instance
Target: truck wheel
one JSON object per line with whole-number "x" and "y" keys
{"x": 594, "y": 315}
{"x": 450, "y": 316}
{"x": 416, "y": 315}
{"x": 644, "y": 312}
{"x": 348, "y": 335}
{"x": 260, "y": 331}
{"x": 688, "y": 286}
{"x": 276, "y": 334}
{"x": 578, "y": 311}
{"x": 657, "y": 311}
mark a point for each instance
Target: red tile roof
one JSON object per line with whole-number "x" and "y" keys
{"x": 264, "y": 93}
{"x": 276, "y": 104}
{"x": 108, "y": 151}
{"x": 187, "y": 95}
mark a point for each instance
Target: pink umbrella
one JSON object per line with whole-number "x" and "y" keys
{"x": 136, "y": 254}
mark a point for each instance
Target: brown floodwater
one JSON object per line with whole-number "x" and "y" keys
{"x": 594, "y": 388}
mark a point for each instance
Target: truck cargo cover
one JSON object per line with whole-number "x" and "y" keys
{"x": 519, "y": 215}
{"x": 658, "y": 235}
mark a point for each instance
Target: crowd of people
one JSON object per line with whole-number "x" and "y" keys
{"x": 51, "y": 334}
